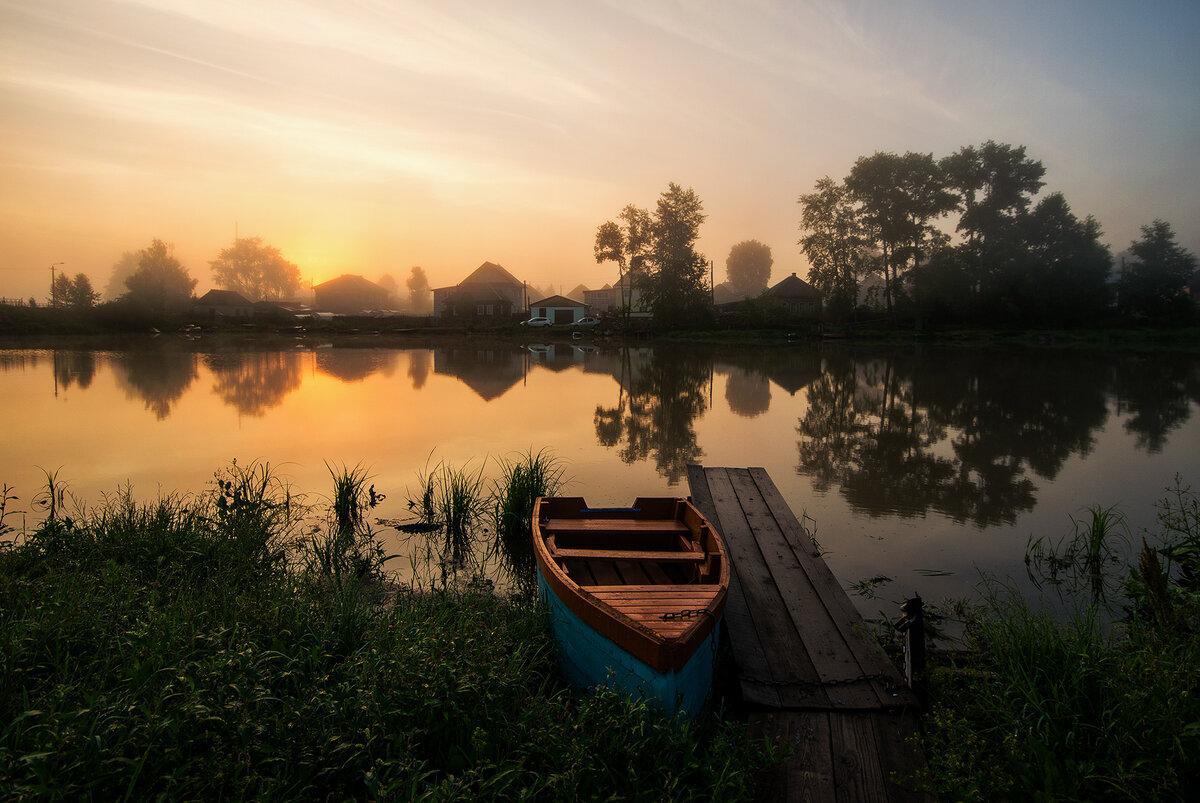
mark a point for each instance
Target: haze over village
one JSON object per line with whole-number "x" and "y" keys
{"x": 371, "y": 138}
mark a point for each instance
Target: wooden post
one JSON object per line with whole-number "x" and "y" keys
{"x": 912, "y": 625}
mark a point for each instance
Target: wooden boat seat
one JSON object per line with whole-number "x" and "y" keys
{"x": 630, "y": 554}
{"x": 615, "y": 526}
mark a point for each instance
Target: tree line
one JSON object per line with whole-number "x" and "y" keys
{"x": 153, "y": 279}
{"x": 885, "y": 226}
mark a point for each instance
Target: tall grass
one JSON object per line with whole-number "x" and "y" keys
{"x": 145, "y": 653}
{"x": 1085, "y": 558}
{"x": 1081, "y": 708}
{"x": 522, "y": 480}
{"x": 451, "y": 502}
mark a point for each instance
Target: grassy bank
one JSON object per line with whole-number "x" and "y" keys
{"x": 219, "y": 646}
{"x": 1104, "y": 705}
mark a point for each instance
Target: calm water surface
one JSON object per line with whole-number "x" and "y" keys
{"x": 923, "y": 465}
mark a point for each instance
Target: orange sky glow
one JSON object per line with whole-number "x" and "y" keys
{"x": 371, "y": 136}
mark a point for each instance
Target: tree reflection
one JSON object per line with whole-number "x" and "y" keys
{"x": 1156, "y": 395}
{"x": 74, "y": 367}
{"x": 420, "y": 363}
{"x": 659, "y": 399}
{"x": 158, "y": 376}
{"x": 257, "y": 381}
{"x": 355, "y": 365}
{"x": 951, "y": 433}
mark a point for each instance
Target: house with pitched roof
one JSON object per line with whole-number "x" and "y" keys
{"x": 350, "y": 295}
{"x": 223, "y": 304}
{"x": 559, "y": 309}
{"x": 797, "y": 295}
{"x": 489, "y": 293}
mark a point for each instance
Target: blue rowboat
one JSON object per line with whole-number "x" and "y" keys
{"x": 636, "y": 596}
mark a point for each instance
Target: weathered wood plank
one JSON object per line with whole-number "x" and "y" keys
{"x": 784, "y": 658}
{"x": 844, "y": 615}
{"x": 619, "y": 526}
{"x": 857, "y": 773}
{"x": 825, "y": 644}
{"x": 739, "y": 624}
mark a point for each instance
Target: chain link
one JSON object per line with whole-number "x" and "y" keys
{"x": 686, "y": 614}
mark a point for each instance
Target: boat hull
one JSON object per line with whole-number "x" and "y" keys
{"x": 588, "y": 659}
{"x": 636, "y": 596}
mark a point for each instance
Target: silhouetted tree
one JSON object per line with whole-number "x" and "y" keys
{"x": 125, "y": 266}
{"x": 748, "y": 267}
{"x": 1154, "y": 284}
{"x": 1068, "y": 265}
{"x": 835, "y": 244}
{"x": 676, "y": 281}
{"x": 418, "y": 291}
{"x": 256, "y": 270}
{"x": 627, "y": 243}
{"x": 160, "y": 283}
{"x": 899, "y": 197}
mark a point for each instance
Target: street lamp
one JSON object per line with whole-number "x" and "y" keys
{"x": 53, "y": 300}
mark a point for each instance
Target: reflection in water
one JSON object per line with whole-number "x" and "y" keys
{"x": 418, "y": 367}
{"x": 74, "y": 367}
{"x": 953, "y": 433}
{"x": 355, "y": 365}
{"x": 661, "y": 393}
{"x": 488, "y": 369}
{"x": 255, "y": 382}
{"x": 1156, "y": 395}
{"x": 748, "y": 392}
{"x": 159, "y": 376}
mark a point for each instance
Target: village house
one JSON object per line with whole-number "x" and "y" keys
{"x": 223, "y": 304}
{"x": 489, "y": 293}
{"x": 612, "y": 299}
{"x": 797, "y": 295}
{"x": 350, "y": 295}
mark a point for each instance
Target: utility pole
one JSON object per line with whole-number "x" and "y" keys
{"x": 53, "y": 298}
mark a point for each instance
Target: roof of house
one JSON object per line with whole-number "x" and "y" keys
{"x": 795, "y": 287}
{"x": 491, "y": 273}
{"x": 351, "y": 282}
{"x": 559, "y": 301}
{"x": 224, "y": 298}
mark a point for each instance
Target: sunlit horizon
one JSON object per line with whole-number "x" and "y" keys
{"x": 373, "y": 137}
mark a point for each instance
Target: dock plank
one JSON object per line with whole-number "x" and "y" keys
{"x": 790, "y": 621}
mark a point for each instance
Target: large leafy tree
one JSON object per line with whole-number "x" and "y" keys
{"x": 676, "y": 280}
{"x": 748, "y": 267}
{"x": 994, "y": 185}
{"x": 256, "y": 270}
{"x": 626, "y": 241}
{"x": 1154, "y": 284}
{"x": 1068, "y": 266}
{"x": 160, "y": 282}
{"x": 898, "y": 198}
{"x": 835, "y": 244}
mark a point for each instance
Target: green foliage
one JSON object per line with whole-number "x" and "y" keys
{"x": 1046, "y": 708}
{"x": 522, "y": 480}
{"x": 146, "y": 653}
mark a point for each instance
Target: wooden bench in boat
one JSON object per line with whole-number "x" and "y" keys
{"x": 630, "y": 555}
{"x": 616, "y": 526}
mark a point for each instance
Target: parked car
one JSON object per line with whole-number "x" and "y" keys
{"x": 587, "y": 322}
{"x": 538, "y": 321}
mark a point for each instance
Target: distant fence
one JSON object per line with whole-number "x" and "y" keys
{"x": 14, "y": 302}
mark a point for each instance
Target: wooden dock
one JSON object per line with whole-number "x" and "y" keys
{"x": 810, "y": 675}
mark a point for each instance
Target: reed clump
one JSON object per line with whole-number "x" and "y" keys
{"x": 1102, "y": 704}
{"x": 191, "y": 648}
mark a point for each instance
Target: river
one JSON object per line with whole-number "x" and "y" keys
{"x": 922, "y": 469}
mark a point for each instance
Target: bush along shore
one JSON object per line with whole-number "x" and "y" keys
{"x": 222, "y": 646}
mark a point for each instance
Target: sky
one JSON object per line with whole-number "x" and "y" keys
{"x": 371, "y": 136}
